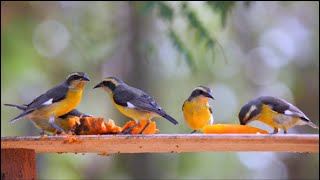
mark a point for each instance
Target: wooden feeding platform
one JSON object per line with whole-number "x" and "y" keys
{"x": 18, "y": 153}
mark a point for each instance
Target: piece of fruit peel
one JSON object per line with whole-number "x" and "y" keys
{"x": 232, "y": 129}
{"x": 150, "y": 129}
{"x": 44, "y": 136}
{"x": 97, "y": 125}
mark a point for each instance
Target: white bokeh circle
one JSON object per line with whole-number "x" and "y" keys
{"x": 50, "y": 38}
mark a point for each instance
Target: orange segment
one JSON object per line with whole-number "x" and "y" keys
{"x": 151, "y": 129}
{"x": 232, "y": 129}
{"x": 111, "y": 127}
{"x": 97, "y": 125}
{"x": 89, "y": 126}
{"x": 73, "y": 121}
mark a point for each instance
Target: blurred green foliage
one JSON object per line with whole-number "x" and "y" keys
{"x": 201, "y": 32}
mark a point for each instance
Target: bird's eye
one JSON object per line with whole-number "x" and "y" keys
{"x": 78, "y": 77}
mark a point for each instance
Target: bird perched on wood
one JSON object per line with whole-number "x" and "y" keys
{"x": 197, "y": 110}
{"x": 61, "y": 121}
{"x": 277, "y": 113}
{"x": 56, "y": 102}
{"x": 133, "y": 102}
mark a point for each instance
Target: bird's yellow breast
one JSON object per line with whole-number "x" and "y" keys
{"x": 276, "y": 120}
{"x": 196, "y": 113}
{"x": 60, "y": 108}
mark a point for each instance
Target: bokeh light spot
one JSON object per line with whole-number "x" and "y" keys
{"x": 50, "y": 38}
{"x": 225, "y": 103}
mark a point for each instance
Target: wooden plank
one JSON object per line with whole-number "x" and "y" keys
{"x": 166, "y": 143}
{"x": 18, "y": 164}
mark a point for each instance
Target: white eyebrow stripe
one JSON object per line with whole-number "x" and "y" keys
{"x": 200, "y": 88}
{"x": 252, "y": 108}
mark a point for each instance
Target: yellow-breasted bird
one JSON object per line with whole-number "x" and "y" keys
{"x": 133, "y": 102}
{"x": 197, "y": 110}
{"x": 275, "y": 112}
{"x": 61, "y": 121}
{"x": 56, "y": 102}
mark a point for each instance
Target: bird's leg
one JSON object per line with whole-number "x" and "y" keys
{"x": 193, "y": 131}
{"x": 284, "y": 131}
{"x": 42, "y": 132}
{"x": 54, "y": 125}
{"x": 72, "y": 129}
{"x": 129, "y": 130}
{"x": 145, "y": 127}
{"x": 275, "y": 131}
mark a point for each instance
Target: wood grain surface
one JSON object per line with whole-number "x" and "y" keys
{"x": 18, "y": 164}
{"x": 161, "y": 143}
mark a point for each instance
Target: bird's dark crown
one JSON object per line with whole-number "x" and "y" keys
{"x": 110, "y": 82}
{"x": 77, "y": 76}
{"x": 201, "y": 90}
{"x": 249, "y": 111}
{"x": 114, "y": 80}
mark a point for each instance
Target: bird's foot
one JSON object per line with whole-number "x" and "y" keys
{"x": 285, "y": 131}
{"x": 128, "y": 131}
{"x": 144, "y": 127}
{"x": 275, "y": 131}
{"x": 193, "y": 131}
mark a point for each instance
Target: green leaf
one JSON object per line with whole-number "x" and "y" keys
{"x": 166, "y": 12}
{"x": 145, "y": 7}
{"x": 179, "y": 45}
{"x": 222, "y": 7}
{"x": 200, "y": 31}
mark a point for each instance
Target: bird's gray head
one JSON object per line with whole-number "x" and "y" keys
{"x": 249, "y": 111}
{"x": 201, "y": 91}
{"x": 77, "y": 78}
{"x": 109, "y": 84}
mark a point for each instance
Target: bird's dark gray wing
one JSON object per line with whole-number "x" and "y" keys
{"x": 122, "y": 95}
{"x": 294, "y": 111}
{"x": 145, "y": 102}
{"x": 275, "y": 104}
{"x": 284, "y": 107}
{"x": 53, "y": 95}
{"x": 134, "y": 98}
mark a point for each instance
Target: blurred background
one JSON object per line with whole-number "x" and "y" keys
{"x": 240, "y": 50}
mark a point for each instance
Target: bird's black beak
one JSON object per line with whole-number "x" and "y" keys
{"x": 98, "y": 85}
{"x": 85, "y": 78}
{"x": 209, "y": 95}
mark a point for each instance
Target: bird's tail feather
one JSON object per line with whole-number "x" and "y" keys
{"x": 311, "y": 124}
{"x": 20, "y": 116}
{"x": 171, "y": 119}
{"x": 17, "y": 106}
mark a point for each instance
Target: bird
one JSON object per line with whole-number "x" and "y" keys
{"x": 197, "y": 110}
{"x": 44, "y": 125}
{"x": 133, "y": 102}
{"x": 275, "y": 112}
{"x": 56, "y": 102}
